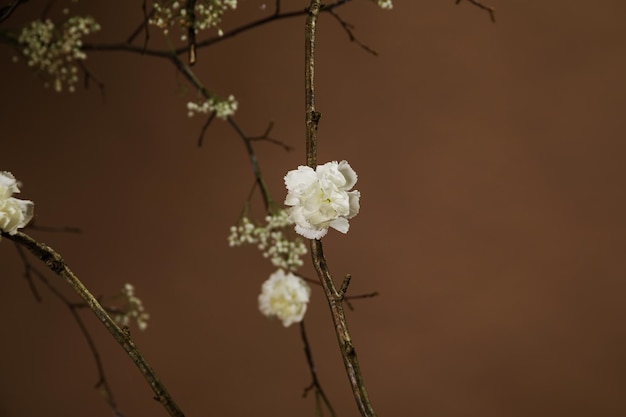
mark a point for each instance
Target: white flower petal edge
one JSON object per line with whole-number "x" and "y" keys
{"x": 284, "y": 296}
{"x": 321, "y": 198}
{"x": 14, "y": 213}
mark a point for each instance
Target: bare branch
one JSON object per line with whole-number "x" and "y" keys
{"x": 102, "y": 384}
{"x": 315, "y": 383}
{"x": 488, "y": 9}
{"x": 347, "y": 27}
{"x": 334, "y": 298}
{"x": 204, "y": 129}
{"x": 6, "y": 11}
{"x": 55, "y": 262}
{"x": 265, "y": 137}
{"x": 191, "y": 31}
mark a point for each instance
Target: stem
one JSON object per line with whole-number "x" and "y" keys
{"x": 335, "y": 298}
{"x": 55, "y": 262}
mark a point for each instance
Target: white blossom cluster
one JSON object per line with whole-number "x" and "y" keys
{"x": 384, "y": 4}
{"x": 132, "y": 309}
{"x": 222, "y": 108}
{"x": 284, "y": 296}
{"x": 321, "y": 198}
{"x": 208, "y": 14}
{"x": 271, "y": 240}
{"x": 14, "y": 213}
{"x": 54, "y": 51}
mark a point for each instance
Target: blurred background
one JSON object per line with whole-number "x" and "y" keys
{"x": 491, "y": 167}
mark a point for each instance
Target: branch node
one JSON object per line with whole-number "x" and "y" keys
{"x": 344, "y": 287}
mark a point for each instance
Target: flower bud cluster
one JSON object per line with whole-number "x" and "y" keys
{"x": 132, "y": 309}
{"x": 271, "y": 239}
{"x": 222, "y": 108}
{"x": 207, "y": 14}
{"x": 54, "y": 51}
{"x": 14, "y": 213}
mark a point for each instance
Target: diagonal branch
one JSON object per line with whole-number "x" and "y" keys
{"x": 480, "y": 5}
{"x": 334, "y": 297}
{"x": 315, "y": 383}
{"x": 55, "y": 262}
{"x": 6, "y": 11}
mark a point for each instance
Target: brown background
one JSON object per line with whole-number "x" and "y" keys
{"x": 491, "y": 167}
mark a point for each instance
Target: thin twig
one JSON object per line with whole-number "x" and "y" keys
{"x": 102, "y": 384}
{"x": 191, "y": 31}
{"x": 347, "y": 27}
{"x": 27, "y": 275}
{"x": 6, "y": 11}
{"x": 144, "y": 25}
{"x": 267, "y": 199}
{"x": 204, "y": 128}
{"x": 88, "y": 77}
{"x": 488, "y": 9}
{"x": 55, "y": 262}
{"x": 334, "y": 298}
{"x": 315, "y": 384}
{"x": 127, "y": 47}
{"x": 266, "y": 138}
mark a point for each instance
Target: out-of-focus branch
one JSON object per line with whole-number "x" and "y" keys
{"x": 55, "y": 262}
{"x": 347, "y": 27}
{"x": 129, "y": 47}
{"x": 334, "y": 297}
{"x": 320, "y": 396}
{"x": 6, "y": 11}
{"x": 480, "y": 5}
{"x": 102, "y": 384}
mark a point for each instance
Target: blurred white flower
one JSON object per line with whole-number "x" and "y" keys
{"x": 384, "y": 4}
{"x": 14, "y": 213}
{"x": 132, "y": 309}
{"x": 321, "y": 198}
{"x": 284, "y": 296}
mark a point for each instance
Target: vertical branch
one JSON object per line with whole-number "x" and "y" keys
{"x": 312, "y": 117}
{"x": 55, "y": 262}
{"x": 334, "y": 297}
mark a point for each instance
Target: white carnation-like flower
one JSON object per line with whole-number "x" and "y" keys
{"x": 14, "y": 213}
{"x": 284, "y": 296}
{"x": 321, "y": 198}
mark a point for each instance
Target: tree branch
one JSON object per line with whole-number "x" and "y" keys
{"x": 55, "y": 262}
{"x": 334, "y": 298}
{"x": 6, "y": 11}
{"x": 315, "y": 383}
{"x": 480, "y": 5}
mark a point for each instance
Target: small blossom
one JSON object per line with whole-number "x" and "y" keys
{"x": 206, "y": 14}
{"x": 131, "y": 309}
{"x": 321, "y": 198}
{"x": 272, "y": 239}
{"x": 222, "y": 108}
{"x": 53, "y": 51}
{"x": 284, "y": 296}
{"x": 14, "y": 213}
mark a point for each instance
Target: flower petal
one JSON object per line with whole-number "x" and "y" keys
{"x": 340, "y": 224}
{"x": 348, "y": 173}
{"x": 311, "y": 233}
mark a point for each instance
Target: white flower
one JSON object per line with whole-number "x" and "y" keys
{"x": 14, "y": 213}
{"x": 284, "y": 296}
{"x": 321, "y": 198}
